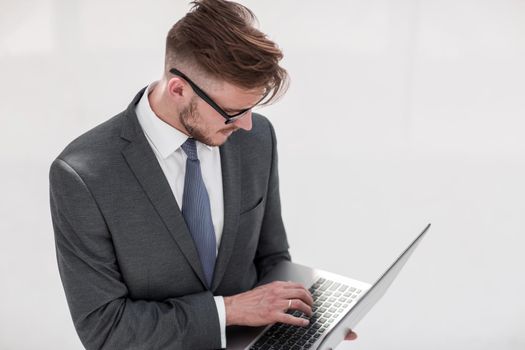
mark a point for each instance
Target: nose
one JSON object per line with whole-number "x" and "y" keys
{"x": 245, "y": 122}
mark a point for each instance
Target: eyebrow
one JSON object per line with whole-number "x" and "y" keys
{"x": 237, "y": 110}
{"x": 228, "y": 110}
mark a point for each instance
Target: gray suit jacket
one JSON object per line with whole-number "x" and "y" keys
{"x": 130, "y": 269}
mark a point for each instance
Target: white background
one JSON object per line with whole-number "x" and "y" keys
{"x": 399, "y": 113}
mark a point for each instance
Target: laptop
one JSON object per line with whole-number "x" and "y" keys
{"x": 339, "y": 304}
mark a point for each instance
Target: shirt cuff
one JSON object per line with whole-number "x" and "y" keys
{"x": 221, "y": 310}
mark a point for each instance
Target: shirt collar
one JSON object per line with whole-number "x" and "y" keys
{"x": 164, "y": 137}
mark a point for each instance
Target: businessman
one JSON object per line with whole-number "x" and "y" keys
{"x": 168, "y": 214}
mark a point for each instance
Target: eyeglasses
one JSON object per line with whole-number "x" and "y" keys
{"x": 230, "y": 118}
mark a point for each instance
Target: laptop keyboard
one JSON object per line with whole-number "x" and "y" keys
{"x": 330, "y": 300}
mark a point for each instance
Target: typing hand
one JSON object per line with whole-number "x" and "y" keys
{"x": 268, "y": 304}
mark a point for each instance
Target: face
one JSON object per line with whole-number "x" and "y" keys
{"x": 206, "y": 125}
{"x": 201, "y": 130}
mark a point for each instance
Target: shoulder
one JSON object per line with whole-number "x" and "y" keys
{"x": 262, "y": 133}
{"x": 95, "y": 148}
{"x": 257, "y": 146}
{"x": 261, "y": 124}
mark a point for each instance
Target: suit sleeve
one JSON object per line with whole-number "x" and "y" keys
{"x": 273, "y": 245}
{"x": 104, "y": 315}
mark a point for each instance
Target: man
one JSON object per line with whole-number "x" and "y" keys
{"x": 168, "y": 214}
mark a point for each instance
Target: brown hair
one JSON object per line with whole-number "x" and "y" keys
{"x": 219, "y": 37}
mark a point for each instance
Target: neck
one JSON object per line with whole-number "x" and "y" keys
{"x": 163, "y": 108}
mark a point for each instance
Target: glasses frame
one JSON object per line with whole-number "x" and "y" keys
{"x": 230, "y": 118}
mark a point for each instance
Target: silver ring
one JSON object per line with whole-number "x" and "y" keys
{"x": 289, "y": 304}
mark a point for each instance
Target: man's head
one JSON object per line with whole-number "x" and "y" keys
{"x": 217, "y": 66}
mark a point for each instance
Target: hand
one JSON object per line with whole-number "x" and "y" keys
{"x": 268, "y": 304}
{"x": 350, "y": 335}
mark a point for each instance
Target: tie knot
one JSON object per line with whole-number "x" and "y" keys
{"x": 190, "y": 148}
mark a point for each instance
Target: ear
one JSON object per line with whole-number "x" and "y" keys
{"x": 177, "y": 88}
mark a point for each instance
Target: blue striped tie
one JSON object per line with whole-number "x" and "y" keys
{"x": 196, "y": 211}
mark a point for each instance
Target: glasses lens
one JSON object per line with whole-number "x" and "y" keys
{"x": 237, "y": 117}
{"x": 240, "y": 115}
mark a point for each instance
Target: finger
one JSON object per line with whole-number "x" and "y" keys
{"x": 351, "y": 336}
{"x": 297, "y": 304}
{"x": 289, "y": 319}
{"x": 298, "y": 293}
{"x": 294, "y": 285}
{"x": 290, "y": 284}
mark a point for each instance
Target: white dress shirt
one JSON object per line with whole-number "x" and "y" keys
{"x": 165, "y": 141}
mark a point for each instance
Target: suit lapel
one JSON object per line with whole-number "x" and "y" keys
{"x": 144, "y": 164}
{"x": 231, "y": 184}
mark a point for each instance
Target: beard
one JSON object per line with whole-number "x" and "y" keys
{"x": 196, "y": 126}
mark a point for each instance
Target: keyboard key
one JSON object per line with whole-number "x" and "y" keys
{"x": 325, "y": 285}
{"x": 317, "y": 284}
{"x": 335, "y": 286}
{"x": 330, "y": 300}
